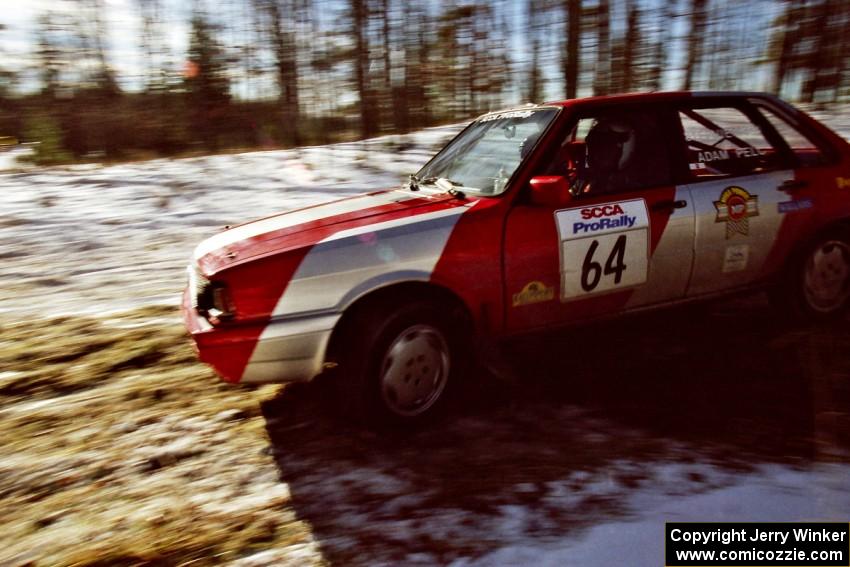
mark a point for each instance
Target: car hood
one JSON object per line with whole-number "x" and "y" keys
{"x": 310, "y": 225}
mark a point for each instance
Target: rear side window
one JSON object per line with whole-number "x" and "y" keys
{"x": 805, "y": 150}
{"x": 723, "y": 142}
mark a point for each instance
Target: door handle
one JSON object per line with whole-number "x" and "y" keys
{"x": 793, "y": 184}
{"x": 669, "y": 205}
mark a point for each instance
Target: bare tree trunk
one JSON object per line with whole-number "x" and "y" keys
{"x": 571, "y": 57}
{"x": 825, "y": 62}
{"x": 417, "y": 71}
{"x": 283, "y": 41}
{"x": 368, "y": 123}
{"x": 785, "y": 44}
{"x": 387, "y": 96}
{"x": 632, "y": 40}
{"x": 105, "y": 75}
{"x": 49, "y": 53}
{"x": 602, "y": 74}
{"x": 695, "y": 41}
{"x": 664, "y": 21}
{"x": 814, "y": 60}
{"x": 844, "y": 56}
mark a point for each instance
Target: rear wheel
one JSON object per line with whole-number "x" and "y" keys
{"x": 826, "y": 277}
{"x": 402, "y": 363}
{"x": 818, "y": 287}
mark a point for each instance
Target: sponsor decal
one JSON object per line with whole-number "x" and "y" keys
{"x": 794, "y": 206}
{"x": 721, "y": 155}
{"x": 842, "y": 182}
{"x": 602, "y": 217}
{"x": 623, "y": 221}
{"x": 592, "y": 220}
{"x": 748, "y": 152}
{"x": 735, "y": 207}
{"x": 506, "y": 115}
{"x": 533, "y": 292}
{"x": 604, "y": 247}
{"x": 736, "y": 257}
{"x": 713, "y": 155}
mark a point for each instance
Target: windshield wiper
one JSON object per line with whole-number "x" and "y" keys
{"x": 413, "y": 182}
{"x": 444, "y": 183}
{"x": 457, "y": 193}
{"x": 451, "y": 187}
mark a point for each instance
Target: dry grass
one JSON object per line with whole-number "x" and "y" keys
{"x": 120, "y": 448}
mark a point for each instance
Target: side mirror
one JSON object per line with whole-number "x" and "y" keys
{"x": 550, "y": 191}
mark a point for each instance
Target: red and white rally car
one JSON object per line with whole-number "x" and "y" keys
{"x": 531, "y": 218}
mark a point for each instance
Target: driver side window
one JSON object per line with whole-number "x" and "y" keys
{"x": 723, "y": 142}
{"x": 615, "y": 152}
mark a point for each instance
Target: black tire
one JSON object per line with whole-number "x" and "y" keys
{"x": 816, "y": 287}
{"x": 402, "y": 363}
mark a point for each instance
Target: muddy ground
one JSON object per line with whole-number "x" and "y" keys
{"x": 120, "y": 449}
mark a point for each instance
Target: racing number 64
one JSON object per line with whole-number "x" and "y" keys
{"x": 592, "y": 271}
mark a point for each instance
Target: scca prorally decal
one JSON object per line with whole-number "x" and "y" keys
{"x": 533, "y": 292}
{"x": 601, "y": 219}
{"x": 623, "y": 221}
{"x": 604, "y": 247}
{"x": 735, "y": 207}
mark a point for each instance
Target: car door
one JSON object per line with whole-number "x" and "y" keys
{"x": 602, "y": 253}
{"x": 740, "y": 187}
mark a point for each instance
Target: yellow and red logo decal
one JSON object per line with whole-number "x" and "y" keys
{"x": 735, "y": 207}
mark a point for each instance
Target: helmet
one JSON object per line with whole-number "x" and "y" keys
{"x": 611, "y": 143}
{"x": 527, "y": 144}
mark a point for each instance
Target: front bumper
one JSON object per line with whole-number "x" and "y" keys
{"x": 280, "y": 350}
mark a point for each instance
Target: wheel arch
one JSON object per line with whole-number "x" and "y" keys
{"x": 785, "y": 292}
{"x": 394, "y": 294}
{"x": 804, "y": 244}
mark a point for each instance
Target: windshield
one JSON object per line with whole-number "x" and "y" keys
{"x": 484, "y": 156}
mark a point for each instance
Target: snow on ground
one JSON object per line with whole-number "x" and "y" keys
{"x": 770, "y": 494}
{"x": 10, "y": 157}
{"x": 93, "y": 239}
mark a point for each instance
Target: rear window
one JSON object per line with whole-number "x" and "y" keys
{"x": 723, "y": 141}
{"x": 805, "y": 150}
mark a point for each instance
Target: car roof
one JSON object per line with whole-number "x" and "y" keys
{"x": 668, "y": 96}
{"x": 640, "y": 97}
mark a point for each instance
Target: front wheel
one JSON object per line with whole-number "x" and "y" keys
{"x": 402, "y": 363}
{"x": 414, "y": 370}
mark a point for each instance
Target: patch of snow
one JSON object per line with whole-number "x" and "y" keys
{"x": 10, "y": 159}
{"x": 772, "y": 493}
{"x": 87, "y": 239}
